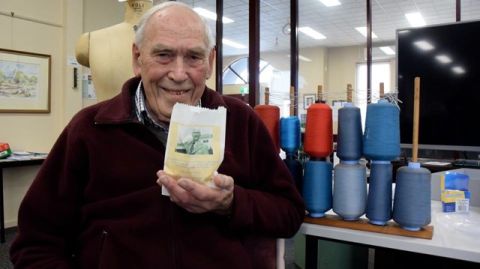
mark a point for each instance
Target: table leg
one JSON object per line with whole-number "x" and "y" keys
{"x": 2, "y": 217}
{"x": 311, "y": 252}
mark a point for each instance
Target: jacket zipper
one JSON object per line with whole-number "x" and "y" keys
{"x": 174, "y": 246}
{"x": 129, "y": 121}
{"x": 102, "y": 245}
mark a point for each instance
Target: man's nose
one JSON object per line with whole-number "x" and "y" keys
{"x": 178, "y": 69}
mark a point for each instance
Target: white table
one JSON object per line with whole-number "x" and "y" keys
{"x": 455, "y": 236}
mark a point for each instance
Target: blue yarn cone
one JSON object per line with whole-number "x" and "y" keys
{"x": 412, "y": 201}
{"x": 379, "y": 205}
{"x": 290, "y": 135}
{"x": 317, "y": 188}
{"x": 350, "y": 190}
{"x": 381, "y": 139}
{"x": 350, "y": 137}
{"x": 296, "y": 170}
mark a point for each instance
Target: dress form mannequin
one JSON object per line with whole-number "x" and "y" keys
{"x": 108, "y": 51}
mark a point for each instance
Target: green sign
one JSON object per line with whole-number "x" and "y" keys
{"x": 244, "y": 89}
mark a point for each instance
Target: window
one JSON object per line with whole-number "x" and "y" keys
{"x": 237, "y": 72}
{"x": 277, "y": 81}
{"x": 381, "y": 72}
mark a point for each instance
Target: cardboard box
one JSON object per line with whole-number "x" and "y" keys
{"x": 454, "y": 192}
{"x": 473, "y": 186}
{"x": 455, "y": 201}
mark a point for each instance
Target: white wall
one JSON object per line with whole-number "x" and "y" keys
{"x": 341, "y": 64}
{"x": 44, "y": 27}
{"x": 41, "y": 32}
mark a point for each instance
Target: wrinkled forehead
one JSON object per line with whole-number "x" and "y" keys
{"x": 177, "y": 22}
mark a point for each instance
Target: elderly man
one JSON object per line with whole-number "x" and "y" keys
{"x": 97, "y": 202}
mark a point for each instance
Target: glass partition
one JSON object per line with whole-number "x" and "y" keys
{"x": 275, "y": 52}
{"x": 332, "y": 45}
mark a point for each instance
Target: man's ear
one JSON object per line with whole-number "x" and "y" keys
{"x": 211, "y": 58}
{"x": 136, "y": 60}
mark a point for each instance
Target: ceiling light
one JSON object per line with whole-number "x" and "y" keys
{"x": 303, "y": 58}
{"x": 233, "y": 44}
{"x": 211, "y": 15}
{"x": 444, "y": 59}
{"x": 415, "y": 19}
{"x": 387, "y": 50}
{"x": 363, "y": 31}
{"x": 458, "y": 70}
{"x": 330, "y": 3}
{"x": 424, "y": 45}
{"x": 311, "y": 33}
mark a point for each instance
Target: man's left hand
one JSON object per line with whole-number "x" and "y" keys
{"x": 198, "y": 198}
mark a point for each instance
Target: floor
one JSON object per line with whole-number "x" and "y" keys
{"x": 6, "y": 264}
{"x": 4, "y": 257}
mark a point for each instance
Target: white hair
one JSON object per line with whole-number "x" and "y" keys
{"x": 140, "y": 27}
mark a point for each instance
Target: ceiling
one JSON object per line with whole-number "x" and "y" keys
{"x": 336, "y": 23}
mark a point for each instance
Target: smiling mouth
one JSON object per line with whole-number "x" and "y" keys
{"x": 176, "y": 92}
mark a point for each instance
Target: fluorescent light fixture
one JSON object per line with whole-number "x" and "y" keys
{"x": 303, "y": 58}
{"x": 330, "y": 3}
{"x": 211, "y": 15}
{"x": 363, "y": 30}
{"x": 458, "y": 70}
{"x": 424, "y": 45}
{"x": 233, "y": 44}
{"x": 415, "y": 19}
{"x": 387, "y": 50}
{"x": 444, "y": 59}
{"x": 311, "y": 33}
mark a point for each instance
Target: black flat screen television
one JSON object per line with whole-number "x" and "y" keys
{"x": 447, "y": 60}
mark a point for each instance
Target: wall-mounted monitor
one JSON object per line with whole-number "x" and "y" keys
{"x": 447, "y": 59}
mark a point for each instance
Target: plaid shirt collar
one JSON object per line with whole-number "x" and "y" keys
{"x": 141, "y": 110}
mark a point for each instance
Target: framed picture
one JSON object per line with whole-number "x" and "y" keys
{"x": 308, "y": 99}
{"x": 24, "y": 82}
{"x": 338, "y": 103}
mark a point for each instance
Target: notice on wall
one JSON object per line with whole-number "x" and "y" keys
{"x": 88, "y": 91}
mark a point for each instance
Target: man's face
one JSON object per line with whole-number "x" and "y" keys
{"x": 196, "y": 136}
{"x": 173, "y": 60}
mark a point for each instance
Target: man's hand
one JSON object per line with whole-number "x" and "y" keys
{"x": 198, "y": 198}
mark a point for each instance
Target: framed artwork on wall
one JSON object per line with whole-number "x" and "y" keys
{"x": 24, "y": 82}
{"x": 309, "y": 99}
{"x": 339, "y": 103}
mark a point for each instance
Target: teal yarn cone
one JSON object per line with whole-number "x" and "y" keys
{"x": 381, "y": 139}
{"x": 317, "y": 188}
{"x": 290, "y": 135}
{"x": 412, "y": 201}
